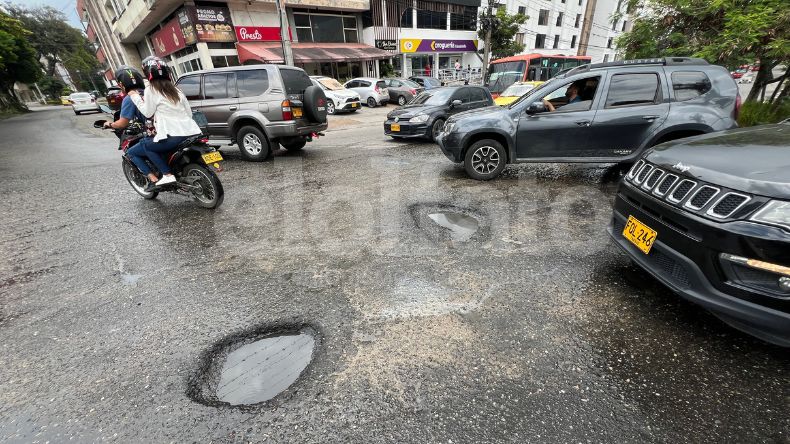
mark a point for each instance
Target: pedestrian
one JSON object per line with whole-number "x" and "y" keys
{"x": 172, "y": 118}
{"x": 428, "y": 70}
{"x": 457, "y": 69}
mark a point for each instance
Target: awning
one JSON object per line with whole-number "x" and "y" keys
{"x": 272, "y": 52}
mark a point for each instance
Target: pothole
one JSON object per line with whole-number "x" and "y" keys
{"x": 461, "y": 226}
{"x": 255, "y": 369}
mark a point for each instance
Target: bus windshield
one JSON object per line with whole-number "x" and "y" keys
{"x": 502, "y": 75}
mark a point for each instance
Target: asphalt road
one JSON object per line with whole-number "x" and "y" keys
{"x": 534, "y": 328}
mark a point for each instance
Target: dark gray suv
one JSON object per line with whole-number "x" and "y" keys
{"x": 257, "y": 106}
{"x": 599, "y": 113}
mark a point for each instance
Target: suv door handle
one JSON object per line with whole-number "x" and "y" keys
{"x": 583, "y": 122}
{"x": 233, "y": 107}
{"x": 650, "y": 117}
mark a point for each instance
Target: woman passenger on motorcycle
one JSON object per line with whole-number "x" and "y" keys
{"x": 172, "y": 118}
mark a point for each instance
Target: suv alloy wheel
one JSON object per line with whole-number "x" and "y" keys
{"x": 485, "y": 159}
{"x": 253, "y": 144}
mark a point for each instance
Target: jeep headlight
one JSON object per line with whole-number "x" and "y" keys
{"x": 775, "y": 212}
{"x": 419, "y": 118}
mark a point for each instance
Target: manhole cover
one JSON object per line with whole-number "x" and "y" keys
{"x": 256, "y": 371}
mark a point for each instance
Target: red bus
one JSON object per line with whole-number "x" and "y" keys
{"x": 528, "y": 67}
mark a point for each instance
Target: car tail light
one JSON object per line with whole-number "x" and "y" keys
{"x": 737, "y": 106}
{"x": 376, "y": 89}
{"x": 287, "y": 112}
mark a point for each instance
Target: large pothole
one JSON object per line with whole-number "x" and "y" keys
{"x": 252, "y": 369}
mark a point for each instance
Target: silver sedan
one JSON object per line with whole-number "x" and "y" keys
{"x": 81, "y": 102}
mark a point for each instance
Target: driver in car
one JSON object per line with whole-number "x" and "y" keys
{"x": 572, "y": 94}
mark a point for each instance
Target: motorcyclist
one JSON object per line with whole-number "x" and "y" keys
{"x": 129, "y": 79}
{"x": 172, "y": 118}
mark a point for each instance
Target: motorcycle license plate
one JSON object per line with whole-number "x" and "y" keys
{"x": 297, "y": 112}
{"x": 212, "y": 157}
{"x": 395, "y": 127}
{"x": 639, "y": 234}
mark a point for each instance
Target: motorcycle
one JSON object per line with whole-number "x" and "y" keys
{"x": 193, "y": 163}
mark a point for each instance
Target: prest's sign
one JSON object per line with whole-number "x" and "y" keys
{"x": 258, "y": 33}
{"x": 169, "y": 39}
{"x": 426, "y": 45}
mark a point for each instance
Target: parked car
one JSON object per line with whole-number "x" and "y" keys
{"x": 257, "y": 106}
{"x": 620, "y": 110}
{"x": 372, "y": 91}
{"x": 402, "y": 90}
{"x": 426, "y": 114}
{"x": 426, "y": 82}
{"x": 114, "y": 98}
{"x": 82, "y": 102}
{"x": 515, "y": 91}
{"x": 709, "y": 217}
{"x": 339, "y": 98}
{"x": 737, "y": 74}
{"x": 747, "y": 77}
{"x": 64, "y": 100}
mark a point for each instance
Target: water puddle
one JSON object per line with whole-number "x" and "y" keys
{"x": 130, "y": 279}
{"x": 461, "y": 226}
{"x": 259, "y": 371}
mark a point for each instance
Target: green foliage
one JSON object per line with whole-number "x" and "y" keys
{"x": 760, "y": 113}
{"x": 387, "y": 70}
{"x": 17, "y": 57}
{"x": 52, "y": 86}
{"x": 504, "y": 28}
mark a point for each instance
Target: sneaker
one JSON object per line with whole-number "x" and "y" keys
{"x": 166, "y": 179}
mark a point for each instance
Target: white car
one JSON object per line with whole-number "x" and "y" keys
{"x": 339, "y": 98}
{"x": 372, "y": 91}
{"x": 81, "y": 102}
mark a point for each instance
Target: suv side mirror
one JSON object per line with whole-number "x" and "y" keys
{"x": 456, "y": 102}
{"x": 535, "y": 108}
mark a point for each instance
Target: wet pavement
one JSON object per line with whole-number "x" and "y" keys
{"x": 119, "y": 315}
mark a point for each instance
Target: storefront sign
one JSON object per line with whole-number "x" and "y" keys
{"x": 258, "y": 33}
{"x": 185, "y": 21}
{"x": 387, "y": 45}
{"x": 169, "y": 39}
{"x": 425, "y": 45}
{"x": 211, "y": 23}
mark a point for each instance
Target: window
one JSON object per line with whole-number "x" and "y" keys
{"x": 559, "y": 19}
{"x": 573, "y": 42}
{"x": 464, "y": 22}
{"x": 407, "y": 19}
{"x": 363, "y": 84}
{"x": 605, "y": 58}
{"x": 556, "y": 41}
{"x": 353, "y": 84}
{"x": 252, "y": 83}
{"x": 609, "y": 42}
{"x": 215, "y": 86}
{"x": 478, "y": 95}
{"x": 223, "y": 61}
{"x": 522, "y": 10}
{"x": 689, "y": 84}
{"x": 463, "y": 95}
{"x": 578, "y": 19}
{"x": 431, "y": 19}
{"x": 328, "y": 28}
{"x": 540, "y": 41}
{"x": 625, "y": 24}
{"x": 632, "y": 89}
{"x": 614, "y": 25}
{"x": 543, "y": 18}
{"x": 520, "y": 38}
{"x": 580, "y": 2}
{"x": 586, "y": 89}
{"x": 295, "y": 80}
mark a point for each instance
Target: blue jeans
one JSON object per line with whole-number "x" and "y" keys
{"x": 155, "y": 152}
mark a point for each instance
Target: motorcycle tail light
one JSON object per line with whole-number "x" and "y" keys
{"x": 287, "y": 112}
{"x": 204, "y": 140}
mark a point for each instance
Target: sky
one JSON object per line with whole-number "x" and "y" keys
{"x": 65, "y": 6}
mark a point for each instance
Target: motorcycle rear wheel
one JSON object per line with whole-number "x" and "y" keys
{"x": 211, "y": 194}
{"x": 137, "y": 180}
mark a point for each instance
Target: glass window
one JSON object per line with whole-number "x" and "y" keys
{"x": 543, "y": 17}
{"x": 477, "y": 95}
{"x": 380, "y": 84}
{"x": 215, "y": 86}
{"x": 609, "y": 42}
{"x": 559, "y": 19}
{"x": 351, "y": 35}
{"x": 573, "y": 42}
{"x": 439, "y": 96}
{"x": 302, "y": 20}
{"x": 295, "y": 80}
{"x": 578, "y": 19}
{"x": 463, "y": 95}
{"x": 522, "y": 10}
{"x": 190, "y": 86}
{"x": 556, "y": 41}
{"x": 363, "y": 84}
{"x": 467, "y": 21}
{"x": 350, "y": 22}
{"x": 502, "y": 75}
{"x": 252, "y": 83}
{"x": 632, "y": 89}
{"x": 540, "y": 41}
{"x": 689, "y": 84}
{"x": 431, "y": 19}
{"x": 407, "y": 19}
{"x": 327, "y": 28}
{"x": 520, "y": 38}
{"x": 304, "y": 34}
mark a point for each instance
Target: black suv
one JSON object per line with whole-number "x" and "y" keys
{"x": 709, "y": 217}
{"x": 602, "y": 113}
{"x": 426, "y": 114}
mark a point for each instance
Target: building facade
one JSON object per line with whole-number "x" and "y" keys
{"x": 553, "y": 27}
{"x": 605, "y": 21}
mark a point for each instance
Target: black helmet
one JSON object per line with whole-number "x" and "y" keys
{"x": 129, "y": 77}
{"x": 156, "y": 68}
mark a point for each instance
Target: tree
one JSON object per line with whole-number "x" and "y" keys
{"x": 17, "y": 57}
{"x": 504, "y": 28}
{"x": 725, "y": 32}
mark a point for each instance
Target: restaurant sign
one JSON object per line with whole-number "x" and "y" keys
{"x": 387, "y": 45}
{"x": 169, "y": 39}
{"x": 258, "y": 33}
{"x": 206, "y": 24}
{"x": 427, "y": 45}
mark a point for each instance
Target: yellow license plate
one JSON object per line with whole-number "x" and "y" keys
{"x": 639, "y": 234}
{"x": 395, "y": 127}
{"x": 212, "y": 157}
{"x": 297, "y": 112}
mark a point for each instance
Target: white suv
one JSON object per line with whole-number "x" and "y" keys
{"x": 372, "y": 91}
{"x": 339, "y": 98}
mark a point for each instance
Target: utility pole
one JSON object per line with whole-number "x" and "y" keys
{"x": 488, "y": 23}
{"x": 285, "y": 35}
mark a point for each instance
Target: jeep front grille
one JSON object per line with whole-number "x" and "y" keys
{"x": 728, "y": 204}
{"x": 681, "y": 191}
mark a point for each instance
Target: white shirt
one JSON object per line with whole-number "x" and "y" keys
{"x": 169, "y": 119}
